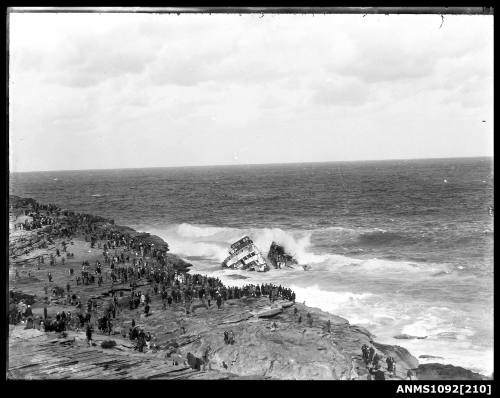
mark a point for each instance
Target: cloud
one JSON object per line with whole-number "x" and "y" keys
{"x": 197, "y": 85}
{"x": 387, "y": 64}
{"x": 217, "y": 57}
{"x": 341, "y": 92}
{"x": 398, "y": 48}
{"x": 92, "y": 60}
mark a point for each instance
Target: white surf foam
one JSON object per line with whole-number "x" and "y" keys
{"x": 384, "y": 310}
{"x": 213, "y": 243}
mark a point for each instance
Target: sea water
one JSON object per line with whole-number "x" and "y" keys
{"x": 400, "y": 247}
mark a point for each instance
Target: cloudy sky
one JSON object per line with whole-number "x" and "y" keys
{"x": 91, "y": 91}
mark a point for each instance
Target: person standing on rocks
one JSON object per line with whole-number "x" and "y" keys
{"x": 206, "y": 360}
{"x": 28, "y": 314}
{"x": 164, "y": 299}
{"x": 309, "y": 319}
{"x": 364, "y": 351}
{"x": 371, "y": 353}
{"x": 389, "y": 363}
{"x": 89, "y": 334}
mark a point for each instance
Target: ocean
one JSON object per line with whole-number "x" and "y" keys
{"x": 400, "y": 246}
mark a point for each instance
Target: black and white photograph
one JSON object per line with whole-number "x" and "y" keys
{"x": 255, "y": 194}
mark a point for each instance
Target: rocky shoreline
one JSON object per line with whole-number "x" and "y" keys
{"x": 280, "y": 347}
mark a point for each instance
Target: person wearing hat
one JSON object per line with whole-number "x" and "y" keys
{"x": 28, "y": 312}
{"x": 22, "y": 309}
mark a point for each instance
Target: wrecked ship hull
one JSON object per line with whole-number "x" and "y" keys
{"x": 245, "y": 255}
{"x": 278, "y": 257}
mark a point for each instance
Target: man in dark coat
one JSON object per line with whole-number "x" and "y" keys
{"x": 89, "y": 334}
{"x": 364, "y": 350}
{"x": 371, "y": 353}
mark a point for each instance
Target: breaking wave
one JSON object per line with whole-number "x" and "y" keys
{"x": 212, "y": 243}
{"x": 394, "y": 239}
{"x": 446, "y": 329}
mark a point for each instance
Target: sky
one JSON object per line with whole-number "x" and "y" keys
{"x": 97, "y": 91}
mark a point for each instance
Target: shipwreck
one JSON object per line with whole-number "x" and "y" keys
{"x": 279, "y": 258}
{"x": 243, "y": 254}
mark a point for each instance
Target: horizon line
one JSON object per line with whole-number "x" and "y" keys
{"x": 253, "y": 164}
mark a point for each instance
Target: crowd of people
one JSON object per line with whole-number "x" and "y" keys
{"x": 143, "y": 268}
{"x": 373, "y": 361}
{"x": 141, "y": 264}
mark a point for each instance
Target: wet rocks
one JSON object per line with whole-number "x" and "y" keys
{"x": 437, "y": 371}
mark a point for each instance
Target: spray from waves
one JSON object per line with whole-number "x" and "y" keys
{"x": 203, "y": 231}
{"x": 365, "y": 304}
{"x": 309, "y": 247}
{"x": 212, "y": 243}
{"x": 346, "y": 304}
{"x": 449, "y": 333}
